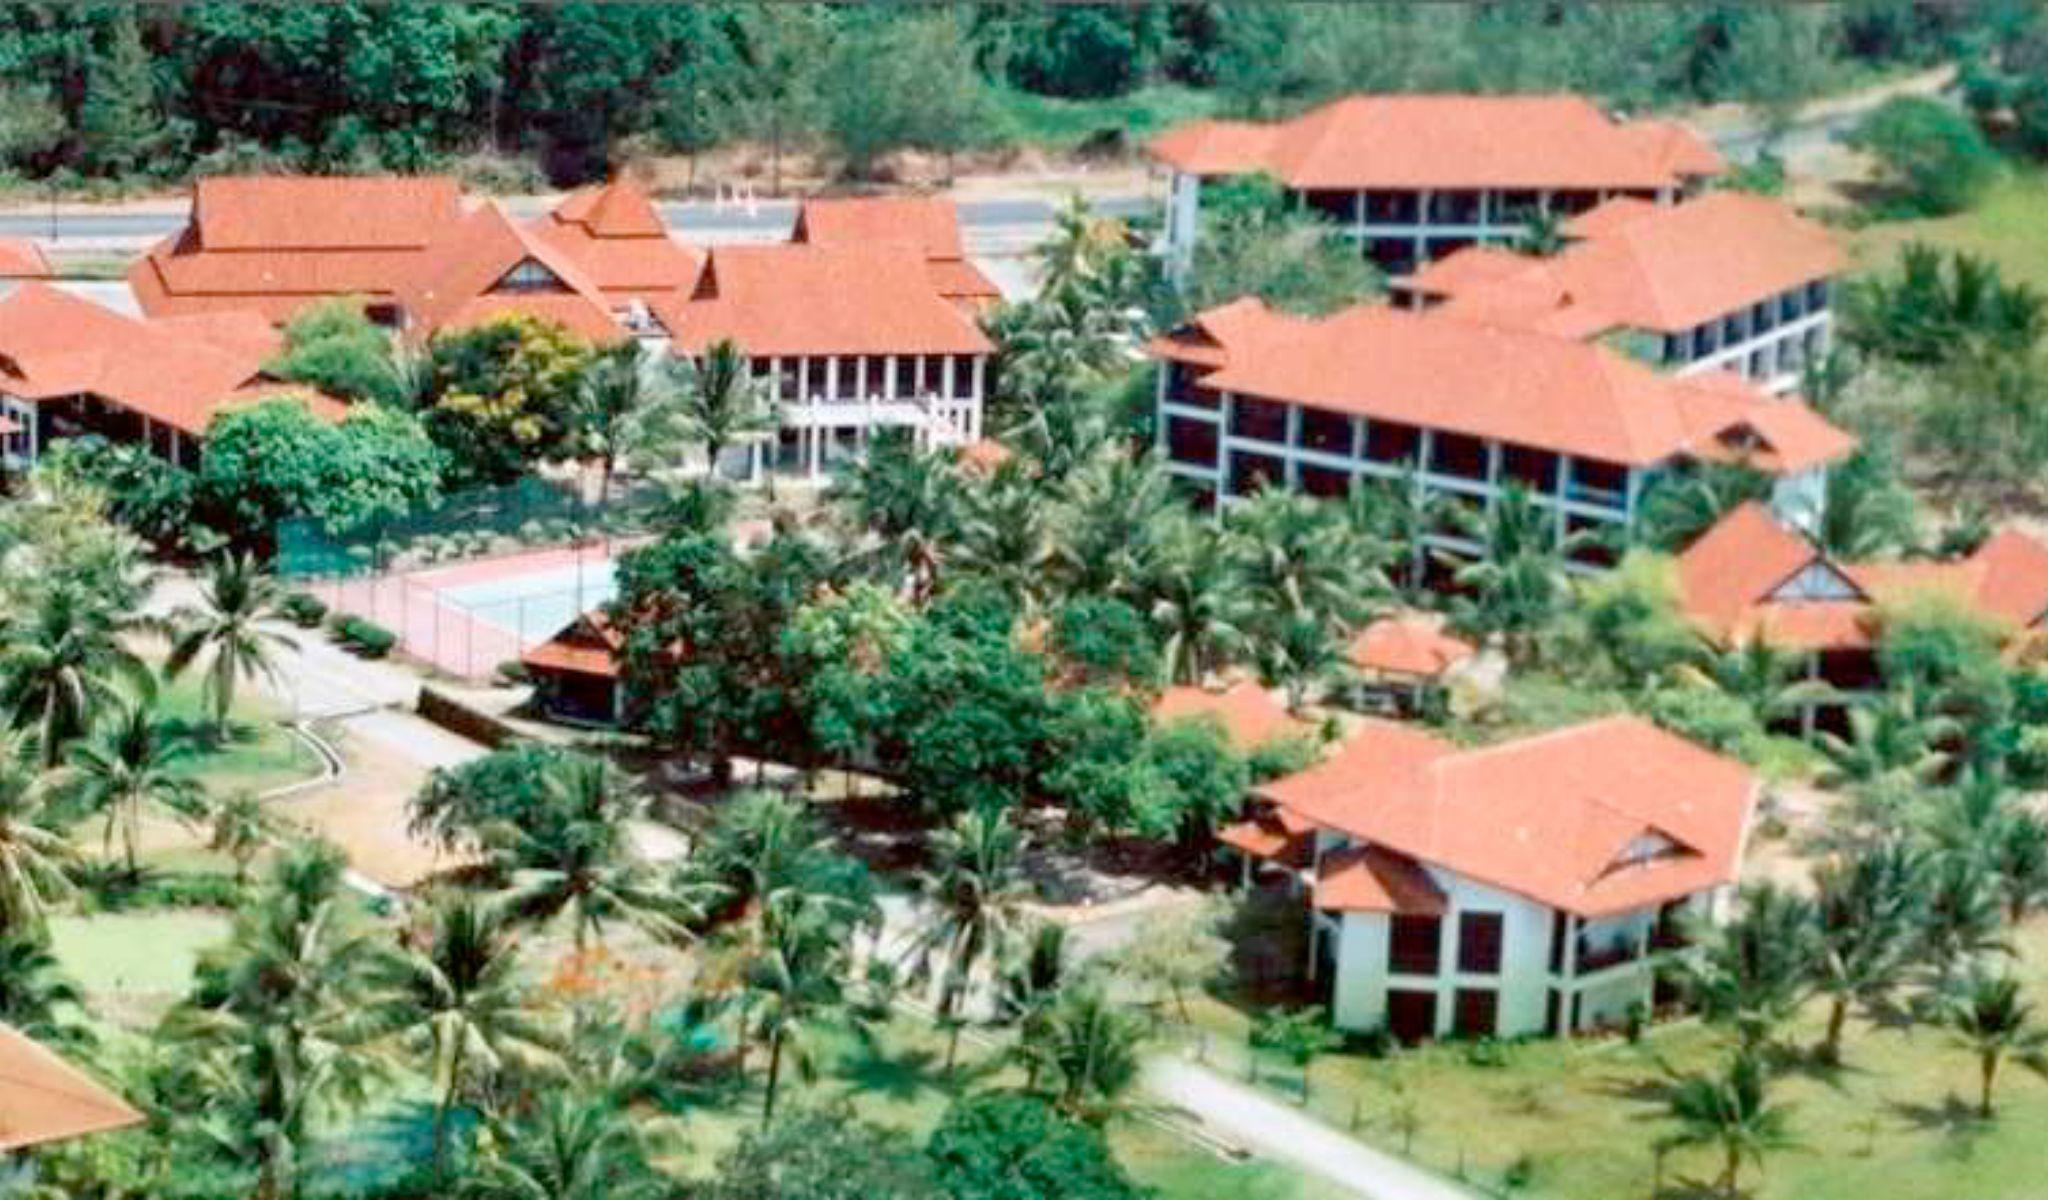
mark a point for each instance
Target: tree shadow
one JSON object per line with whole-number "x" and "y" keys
{"x": 1268, "y": 940}
{"x": 903, "y": 1076}
{"x": 1953, "y": 1118}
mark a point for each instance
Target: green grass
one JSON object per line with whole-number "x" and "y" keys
{"x": 1892, "y": 1124}
{"x": 1060, "y": 124}
{"x": 259, "y": 754}
{"x": 140, "y": 953}
{"x": 2005, "y": 226}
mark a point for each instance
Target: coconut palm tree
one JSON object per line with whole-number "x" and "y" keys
{"x": 1989, "y": 1015}
{"x": 1517, "y": 585}
{"x": 34, "y": 854}
{"x": 1890, "y": 737}
{"x": 767, "y": 852}
{"x": 452, "y": 998}
{"x": 1866, "y": 905}
{"x": 614, "y": 391}
{"x": 275, "y": 1016}
{"x": 1108, "y": 523}
{"x": 63, "y": 664}
{"x": 906, "y": 503}
{"x": 1088, "y": 1045}
{"x": 2019, "y": 856}
{"x": 1730, "y": 1110}
{"x": 132, "y": 763}
{"x": 1006, "y": 535}
{"x": 719, "y": 403}
{"x": 580, "y": 859}
{"x": 569, "y": 1146}
{"x": 975, "y": 890}
{"x": 791, "y": 987}
{"x": 1678, "y": 508}
{"x": 236, "y": 621}
{"x": 240, "y": 826}
{"x": 35, "y": 995}
{"x": 1197, "y": 601}
{"x": 1769, "y": 680}
{"x": 1960, "y": 921}
{"x": 1753, "y": 972}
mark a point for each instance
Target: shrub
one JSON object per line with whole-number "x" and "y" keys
{"x": 364, "y": 636}
{"x": 305, "y": 610}
{"x": 1934, "y": 160}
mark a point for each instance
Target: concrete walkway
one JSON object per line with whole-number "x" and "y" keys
{"x": 1279, "y": 1131}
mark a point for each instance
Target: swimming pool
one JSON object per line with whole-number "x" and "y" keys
{"x": 535, "y": 605}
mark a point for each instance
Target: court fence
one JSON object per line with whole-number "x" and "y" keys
{"x": 468, "y": 524}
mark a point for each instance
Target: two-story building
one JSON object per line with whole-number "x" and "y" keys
{"x": 1414, "y": 177}
{"x": 1522, "y": 888}
{"x": 1725, "y": 282}
{"x": 69, "y": 366}
{"x": 1250, "y": 398}
{"x": 851, "y": 340}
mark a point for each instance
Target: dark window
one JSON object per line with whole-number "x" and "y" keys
{"x": 1393, "y": 256}
{"x": 1191, "y": 441}
{"x": 529, "y": 276}
{"x": 1387, "y": 442}
{"x": 1763, "y": 316}
{"x": 1413, "y": 945}
{"x": 1454, "y": 208}
{"x": 1533, "y": 469}
{"x": 1324, "y": 483}
{"x": 1598, "y": 482}
{"x": 1559, "y": 924}
{"x": 1516, "y": 206}
{"x": 1677, "y": 348}
{"x": 935, "y": 374}
{"x": 1475, "y": 1013}
{"x": 1325, "y": 431}
{"x": 1551, "y": 1012}
{"x": 877, "y": 374}
{"x": 1817, "y": 295}
{"x": 1181, "y": 387}
{"x": 1341, "y": 207}
{"x": 1435, "y": 248}
{"x": 1596, "y": 543}
{"x": 789, "y": 383}
{"x": 1457, "y": 455}
{"x": 1251, "y": 472}
{"x": 1261, "y": 419}
{"x": 1411, "y": 1016}
{"x": 1735, "y": 328}
{"x": 1706, "y": 339}
{"x": 1571, "y": 204}
{"x": 1391, "y": 208}
{"x": 758, "y": 367}
{"x": 906, "y": 375}
{"x": 849, "y": 377}
{"x": 1792, "y": 304}
{"x": 1479, "y": 937}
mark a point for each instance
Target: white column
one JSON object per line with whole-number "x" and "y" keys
{"x": 889, "y": 376}
{"x": 1183, "y": 216}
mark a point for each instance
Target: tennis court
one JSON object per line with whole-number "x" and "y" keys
{"x": 466, "y": 618}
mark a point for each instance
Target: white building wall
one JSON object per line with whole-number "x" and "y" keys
{"x": 1358, "y": 993}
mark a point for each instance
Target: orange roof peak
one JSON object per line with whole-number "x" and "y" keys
{"x": 618, "y": 209}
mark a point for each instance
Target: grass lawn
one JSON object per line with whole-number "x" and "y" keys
{"x": 259, "y": 755}
{"x": 2006, "y": 227}
{"x": 1061, "y": 124}
{"x": 1894, "y": 1123}
{"x": 133, "y": 965}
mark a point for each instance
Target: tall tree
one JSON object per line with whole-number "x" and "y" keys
{"x": 1866, "y": 905}
{"x": 720, "y": 404}
{"x": 974, "y": 890}
{"x": 120, "y": 123}
{"x": 615, "y": 394}
{"x": 1990, "y": 1015}
{"x": 236, "y": 623}
{"x": 35, "y": 995}
{"x": 34, "y": 853}
{"x": 64, "y": 663}
{"x": 132, "y": 763}
{"x": 1730, "y": 1110}
{"x": 569, "y": 1145}
{"x": 1754, "y": 971}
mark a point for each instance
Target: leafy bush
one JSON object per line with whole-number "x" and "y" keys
{"x": 1933, "y": 159}
{"x": 304, "y": 609}
{"x": 1710, "y": 717}
{"x": 364, "y": 636}
{"x": 114, "y": 890}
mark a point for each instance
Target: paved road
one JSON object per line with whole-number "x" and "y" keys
{"x": 1280, "y": 1132}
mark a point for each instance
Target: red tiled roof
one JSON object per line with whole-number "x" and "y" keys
{"x": 1260, "y": 839}
{"x": 930, "y": 224}
{"x": 1376, "y": 879}
{"x": 21, "y": 258}
{"x": 1486, "y": 381}
{"x": 589, "y": 645}
{"x": 179, "y": 372}
{"x": 1664, "y": 268}
{"x": 1446, "y": 141}
{"x": 1553, "y": 817}
{"x": 1408, "y": 644}
{"x": 456, "y": 284}
{"x": 45, "y": 1099}
{"x": 810, "y": 299}
{"x": 617, "y": 236}
{"x": 1729, "y": 579}
{"x": 1247, "y": 713}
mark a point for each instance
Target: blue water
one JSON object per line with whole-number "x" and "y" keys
{"x": 536, "y": 606}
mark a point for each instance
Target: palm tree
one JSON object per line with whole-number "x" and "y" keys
{"x": 1960, "y": 922}
{"x": 613, "y": 391}
{"x": 34, "y": 855}
{"x": 1866, "y": 512}
{"x": 275, "y": 1016}
{"x": 1990, "y": 1016}
{"x": 35, "y": 995}
{"x": 1678, "y": 508}
{"x": 1199, "y": 605}
{"x": 1088, "y": 1044}
{"x": 63, "y": 664}
{"x": 1730, "y": 1110}
{"x": 791, "y": 986}
{"x": 130, "y": 764}
{"x": 452, "y": 996}
{"x": 1393, "y": 519}
{"x": 720, "y": 403}
{"x": 908, "y": 502}
{"x": 240, "y": 827}
{"x": 1890, "y": 737}
{"x": 238, "y": 601}
{"x": 1006, "y": 536}
{"x": 1866, "y": 907}
{"x": 1769, "y": 680}
{"x": 581, "y": 860}
{"x": 1753, "y": 972}
{"x": 569, "y": 1146}
{"x": 767, "y": 852}
{"x": 1108, "y": 523}
{"x": 1517, "y": 585}
{"x": 2020, "y": 858}
{"x": 975, "y": 888}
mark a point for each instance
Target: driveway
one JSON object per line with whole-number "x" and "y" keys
{"x": 1277, "y": 1131}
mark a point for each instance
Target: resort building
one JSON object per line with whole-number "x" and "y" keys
{"x": 69, "y": 366}
{"x": 853, "y": 340}
{"x": 1248, "y": 715}
{"x": 929, "y": 224}
{"x": 486, "y": 265}
{"x": 616, "y": 236}
{"x": 1413, "y": 178}
{"x": 1725, "y": 282}
{"x": 1750, "y": 577}
{"x": 1404, "y": 662}
{"x": 575, "y": 673}
{"x": 1522, "y": 888}
{"x": 1250, "y": 398}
